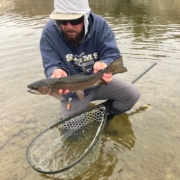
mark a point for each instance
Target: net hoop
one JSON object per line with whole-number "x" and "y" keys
{"x": 92, "y": 144}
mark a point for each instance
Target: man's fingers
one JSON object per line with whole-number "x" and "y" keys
{"x": 59, "y": 73}
{"x": 60, "y": 91}
{"x": 66, "y": 91}
{"x": 107, "y": 77}
{"x": 63, "y": 92}
{"x": 99, "y": 66}
{"x": 53, "y": 75}
{"x": 95, "y": 71}
{"x": 56, "y": 75}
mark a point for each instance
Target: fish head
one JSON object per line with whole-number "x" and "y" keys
{"x": 38, "y": 88}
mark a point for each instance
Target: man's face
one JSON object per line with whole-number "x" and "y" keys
{"x": 73, "y": 30}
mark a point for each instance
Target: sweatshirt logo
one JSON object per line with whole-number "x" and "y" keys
{"x": 83, "y": 61}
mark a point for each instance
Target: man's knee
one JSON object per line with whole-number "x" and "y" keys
{"x": 134, "y": 96}
{"x": 128, "y": 100}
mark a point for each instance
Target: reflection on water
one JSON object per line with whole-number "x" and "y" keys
{"x": 27, "y": 8}
{"x": 142, "y": 143}
{"x": 117, "y": 137}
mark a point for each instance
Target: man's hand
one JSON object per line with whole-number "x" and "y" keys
{"x": 107, "y": 77}
{"x": 59, "y": 73}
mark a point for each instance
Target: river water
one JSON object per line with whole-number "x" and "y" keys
{"x": 141, "y": 144}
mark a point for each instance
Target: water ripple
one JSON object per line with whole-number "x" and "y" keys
{"x": 139, "y": 146}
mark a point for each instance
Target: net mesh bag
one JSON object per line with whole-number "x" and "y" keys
{"x": 69, "y": 147}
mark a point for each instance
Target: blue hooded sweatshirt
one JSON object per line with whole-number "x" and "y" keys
{"x": 99, "y": 44}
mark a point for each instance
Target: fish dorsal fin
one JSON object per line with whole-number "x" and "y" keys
{"x": 80, "y": 95}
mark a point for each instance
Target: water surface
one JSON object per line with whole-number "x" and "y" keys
{"x": 141, "y": 144}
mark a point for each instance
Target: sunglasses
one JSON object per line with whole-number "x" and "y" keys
{"x": 72, "y": 22}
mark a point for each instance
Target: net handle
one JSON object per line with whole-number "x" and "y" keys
{"x": 144, "y": 72}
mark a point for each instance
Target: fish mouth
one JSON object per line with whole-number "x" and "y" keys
{"x": 33, "y": 91}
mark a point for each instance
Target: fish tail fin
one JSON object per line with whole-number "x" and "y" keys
{"x": 116, "y": 66}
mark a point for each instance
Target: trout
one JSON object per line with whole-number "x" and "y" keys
{"x": 75, "y": 83}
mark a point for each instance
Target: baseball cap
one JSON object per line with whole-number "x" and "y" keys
{"x": 69, "y": 9}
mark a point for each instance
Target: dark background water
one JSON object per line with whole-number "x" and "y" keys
{"x": 141, "y": 144}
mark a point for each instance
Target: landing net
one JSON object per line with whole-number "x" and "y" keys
{"x": 68, "y": 144}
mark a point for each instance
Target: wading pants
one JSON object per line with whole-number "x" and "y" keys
{"x": 122, "y": 93}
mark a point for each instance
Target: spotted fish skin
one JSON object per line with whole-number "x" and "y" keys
{"x": 75, "y": 83}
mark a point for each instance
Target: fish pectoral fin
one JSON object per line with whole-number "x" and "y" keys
{"x": 80, "y": 95}
{"x": 102, "y": 82}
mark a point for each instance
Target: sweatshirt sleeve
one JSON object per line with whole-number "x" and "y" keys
{"x": 107, "y": 48}
{"x": 50, "y": 58}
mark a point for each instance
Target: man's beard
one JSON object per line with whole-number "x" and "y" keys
{"x": 74, "y": 41}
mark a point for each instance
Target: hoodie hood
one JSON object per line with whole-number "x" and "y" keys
{"x": 71, "y": 9}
